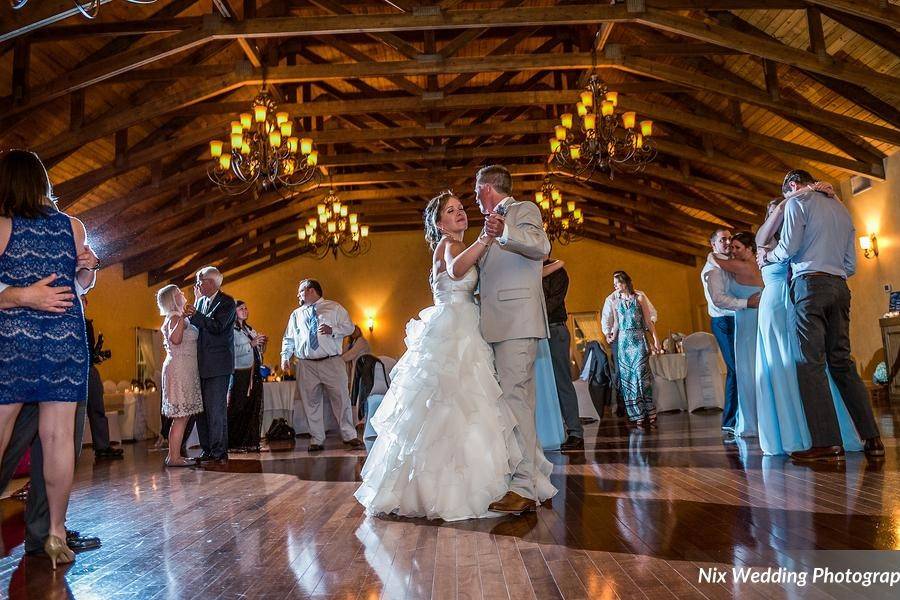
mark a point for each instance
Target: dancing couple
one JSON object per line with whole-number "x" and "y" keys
{"x": 453, "y": 443}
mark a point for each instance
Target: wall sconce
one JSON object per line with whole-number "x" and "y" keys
{"x": 869, "y": 245}
{"x": 370, "y": 322}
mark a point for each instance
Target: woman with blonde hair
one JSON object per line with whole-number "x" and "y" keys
{"x": 180, "y": 374}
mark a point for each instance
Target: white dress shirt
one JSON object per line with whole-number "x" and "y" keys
{"x": 719, "y": 303}
{"x": 502, "y": 206}
{"x": 609, "y": 321}
{"x": 296, "y": 334}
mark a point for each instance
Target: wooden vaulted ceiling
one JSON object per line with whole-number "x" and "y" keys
{"x": 404, "y": 98}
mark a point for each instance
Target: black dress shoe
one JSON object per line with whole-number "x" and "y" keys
{"x": 355, "y": 443}
{"x": 80, "y": 543}
{"x": 874, "y": 448}
{"x": 204, "y": 457}
{"x": 824, "y": 453}
{"x": 315, "y": 448}
{"x": 109, "y": 454}
{"x": 572, "y": 444}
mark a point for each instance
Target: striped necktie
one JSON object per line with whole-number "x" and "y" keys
{"x": 312, "y": 323}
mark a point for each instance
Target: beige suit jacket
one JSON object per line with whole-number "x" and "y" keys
{"x": 512, "y": 298}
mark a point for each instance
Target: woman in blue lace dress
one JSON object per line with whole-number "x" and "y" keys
{"x": 44, "y": 356}
{"x": 633, "y": 351}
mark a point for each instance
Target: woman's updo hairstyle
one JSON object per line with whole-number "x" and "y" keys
{"x": 433, "y": 211}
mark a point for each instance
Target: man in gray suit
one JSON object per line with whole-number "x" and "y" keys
{"x": 513, "y": 316}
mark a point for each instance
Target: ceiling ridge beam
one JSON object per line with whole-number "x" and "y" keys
{"x": 711, "y": 31}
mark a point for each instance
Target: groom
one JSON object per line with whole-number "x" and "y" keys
{"x": 513, "y": 317}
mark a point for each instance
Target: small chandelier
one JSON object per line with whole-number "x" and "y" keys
{"x": 563, "y": 221}
{"x": 335, "y": 229}
{"x": 264, "y": 152}
{"x": 597, "y": 141}
{"x": 89, "y": 9}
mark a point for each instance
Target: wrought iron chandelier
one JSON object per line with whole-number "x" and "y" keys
{"x": 335, "y": 230}
{"x": 264, "y": 152}
{"x": 89, "y": 9}
{"x": 563, "y": 221}
{"x": 598, "y": 139}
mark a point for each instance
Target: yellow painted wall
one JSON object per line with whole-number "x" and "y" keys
{"x": 876, "y": 210}
{"x": 117, "y": 307}
{"x": 391, "y": 281}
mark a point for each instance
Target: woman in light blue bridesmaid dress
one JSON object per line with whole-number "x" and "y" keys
{"x": 744, "y": 281}
{"x": 782, "y": 422}
{"x": 547, "y": 414}
{"x": 548, "y": 417}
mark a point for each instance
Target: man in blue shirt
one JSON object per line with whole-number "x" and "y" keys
{"x": 817, "y": 238}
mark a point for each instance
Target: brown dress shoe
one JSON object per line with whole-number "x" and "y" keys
{"x": 822, "y": 453}
{"x": 513, "y": 503}
{"x": 355, "y": 443}
{"x": 874, "y": 448}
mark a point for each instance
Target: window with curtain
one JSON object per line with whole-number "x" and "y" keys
{"x": 148, "y": 354}
{"x": 586, "y": 328}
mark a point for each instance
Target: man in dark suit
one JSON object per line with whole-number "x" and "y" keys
{"x": 213, "y": 314}
{"x": 96, "y": 411}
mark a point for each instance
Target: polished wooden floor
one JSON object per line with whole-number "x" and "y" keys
{"x": 637, "y": 516}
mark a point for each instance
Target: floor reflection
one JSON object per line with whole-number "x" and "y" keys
{"x": 635, "y": 513}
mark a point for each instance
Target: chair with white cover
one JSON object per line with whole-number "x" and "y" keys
{"x": 122, "y": 386}
{"x": 109, "y": 387}
{"x": 379, "y": 388}
{"x": 705, "y": 372}
{"x": 586, "y": 409}
{"x": 669, "y": 372}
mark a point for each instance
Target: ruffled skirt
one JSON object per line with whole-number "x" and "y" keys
{"x": 445, "y": 447}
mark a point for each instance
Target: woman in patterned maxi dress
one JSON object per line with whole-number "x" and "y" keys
{"x": 633, "y": 352}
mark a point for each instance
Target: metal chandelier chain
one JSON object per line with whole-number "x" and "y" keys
{"x": 89, "y": 10}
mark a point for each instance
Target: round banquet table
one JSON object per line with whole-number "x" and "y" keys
{"x": 281, "y": 399}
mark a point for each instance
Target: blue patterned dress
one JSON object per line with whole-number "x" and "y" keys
{"x": 43, "y": 356}
{"x": 633, "y": 356}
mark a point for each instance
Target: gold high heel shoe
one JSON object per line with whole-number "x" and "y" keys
{"x": 58, "y": 551}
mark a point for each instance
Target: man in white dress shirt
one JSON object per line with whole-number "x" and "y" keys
{"x": 721, "y": 306}
{"x": 315, "y": 333}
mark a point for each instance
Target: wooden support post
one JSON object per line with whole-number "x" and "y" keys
{"x": 76, "y": 110}
{"x": 121, "y": 146}
{"x": 770, "y": 68}
{"x": 817, "y": 34}
{"x": 21, "y": 60}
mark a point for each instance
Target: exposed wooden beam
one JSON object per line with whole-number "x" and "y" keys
{"x": 872, "y": 10}
{"x": 745, "y": 92}
{"x": 35, "y": 15}
{"x": 724, "y": 129}
{"x": 141, "y": 27}
{"x": 729, "y": 37}
{"x": 327, "y": 25}
{"x": 882, "y": 35}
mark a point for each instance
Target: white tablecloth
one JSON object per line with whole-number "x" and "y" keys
{"x": 281, "y": 399}
{"x": 137, "y": 414}
{"x": 669, "y": 372}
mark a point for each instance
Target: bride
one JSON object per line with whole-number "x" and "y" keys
{"x": 445, "y": 447}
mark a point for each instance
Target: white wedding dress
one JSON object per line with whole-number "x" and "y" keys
{"x": 445, "y": 447}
